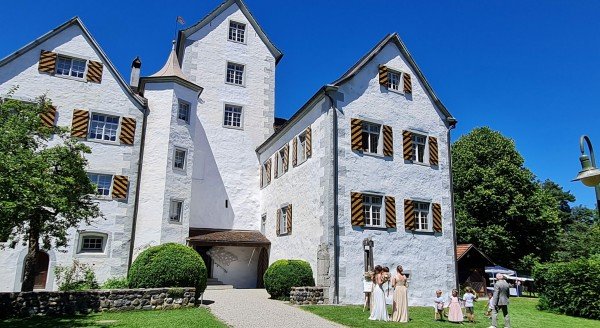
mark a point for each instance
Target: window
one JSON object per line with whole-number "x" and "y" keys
{"x": 301, "y": 147}
{"x": 179, "y": 159}
{"x": 394, "y": 80}
{"x": 184, "y": 111}
{"x": 102, "y": 182}
{"x": 263, "y": 223}
{"x": 92, "y": 243}
{"x": 370, "y": 137}
{"x": 70, "y": 67}
{"x": 265, "y": 174}
{"x": 419, "y": 142}
{"x": 422, "y": 216}
{"x": 176, "y": 211}
{"x": 372, "y": 206}
{"x": 235, "y": 73}
{"x": 233, "y": 116}
{"x": 283, "y": 229}
{"x": 237, "y": 31}
{"x": 280, "y": 162}
{"x": 104, "y": 127}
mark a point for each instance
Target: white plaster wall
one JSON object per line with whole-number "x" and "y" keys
{"x": 428, "y": 257}
{"x": 240, "y": 273}
{"x": 228, "y": 167}
{"x": 108, "y": 97}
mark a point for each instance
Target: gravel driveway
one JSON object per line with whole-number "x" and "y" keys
{"x": 249, "y": 308}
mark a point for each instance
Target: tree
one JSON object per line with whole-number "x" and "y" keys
{"x": 44, "y": 188}
{"x": 500, "y": 206}
{"x": 581, "y": 238}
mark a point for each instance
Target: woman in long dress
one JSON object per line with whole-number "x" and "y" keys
{"x": 378, "y": 308}
{"x": 400, "y": 303}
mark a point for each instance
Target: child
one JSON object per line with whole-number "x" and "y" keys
{"x": 469, "y": 297}
{"x": 488, "y": 312}
{"x": 454, "y": 312}
{"x": 439, "y": 305}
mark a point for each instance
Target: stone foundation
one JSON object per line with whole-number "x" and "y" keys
{"x": 307, "y": 295}
{"x": 81, "y": 302}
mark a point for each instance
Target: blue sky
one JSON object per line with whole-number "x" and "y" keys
{"x": 529, "y": 69}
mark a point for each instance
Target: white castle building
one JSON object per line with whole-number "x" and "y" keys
{"x": 193, "y": 154}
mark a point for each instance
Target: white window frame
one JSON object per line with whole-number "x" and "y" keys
{"x": 280, "y": 169}
{"x": 185, "y": 155}
{"x": 117, "y": 130}
{"x": 95, "y": 181}
{"x": 423, "y": 220}
{"x": 283, "y": 229}
{"x": 230, "y": 108}
{"x": 176, "y": 205}
{"x": 372, "y": 128}
{"x": 236, "y": 32}
{"x": 235, "y": 69}
{"x": 416, "y": 147}
{"x": 369, "y": 205}
{"x": 263, "y": 174}
{"x": 89, "y": 234}
{"x": 399, "y": 86}
{"x": 301, "y": 149}
{"x": 184, "y": 104}
{"x": 70, "y": 71}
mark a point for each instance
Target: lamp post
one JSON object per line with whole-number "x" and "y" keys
{"x": 589, "y": 174}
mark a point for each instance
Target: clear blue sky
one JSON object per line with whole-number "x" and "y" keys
{"x": 530, "y": 69}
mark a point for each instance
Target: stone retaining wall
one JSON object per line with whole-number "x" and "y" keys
{"x": 307, "y": 295}
{"x": 80, "y": 302}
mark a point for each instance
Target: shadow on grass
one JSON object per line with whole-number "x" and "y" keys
{"x": 59, "y": 322}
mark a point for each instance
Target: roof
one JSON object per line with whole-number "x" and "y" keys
{"x": 221, "y": 8}
{"x": 251, "y": 238}
{"x": 171, "y": 71}
{"x": 77, "y": 22}
{"x": 395, "y": 38}
{"x": 463, "y": 249}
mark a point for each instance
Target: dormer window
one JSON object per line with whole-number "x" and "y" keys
{"x": 237, "y": 32}
{"x": 70, "y": 67}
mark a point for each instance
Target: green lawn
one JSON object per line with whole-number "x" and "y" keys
{"x": 522, "y": 314}
{"x": 181, "y": 318}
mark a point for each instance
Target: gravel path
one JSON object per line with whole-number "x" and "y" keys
{"x": 249, "y": 308}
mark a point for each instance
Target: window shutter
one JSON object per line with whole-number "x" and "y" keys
{"x": 407, "y": 83}
{"x": 356, "y": 134}
{"x": 358, "y": 211}
{"x": 383, "y": 76}
{"x": 295, "y": 152}
{"x": 409, "y": 215}
{"x": 437, "y": 217}
{"x": 407, "y": 142}
{"x": 47, "y": 63}
{"x": 286, "y": 157}
{"x": 275, "y": 172}
{"x": 388, "y": 141}
{"x": 278, "y": 220}
{"x": 308, "y": 142}
{"x": 390, "y": 212}
{"x": 79, "y": 124}
{"x": 94, "y": 73}
{"x": 433, "y": 151}
{"x": 268, "y": 169}
{"x": 127, "y": 130}
{"x": 289, "y": 218}
{"x": 49, "y": 116}
{"x": 120, "y": 184}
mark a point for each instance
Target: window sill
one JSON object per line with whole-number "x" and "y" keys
{"x": 241, "y": 128}
{"x": 90, "y": 254}
{"x": 375, "y": 228}
{"x": 238, "y": 42}
{"x": 396, "y": 91}
{"x": 283, "y": 234}
{"x": 175, "y": 222}
{"x": 377, "y": 155}
{"x": 106, "y": 142}
{"x": 180, "y": 171}
{"x": 243, "y": 85}
{"x": 104, "y": 198}
{"x": 69, "y": 77}
{"x": 423, "y": 232}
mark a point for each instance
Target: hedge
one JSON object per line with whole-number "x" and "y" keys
{"x": 571, "y": 288}
{"x": 168, "y": 265}
{"x": 282, "y": 275}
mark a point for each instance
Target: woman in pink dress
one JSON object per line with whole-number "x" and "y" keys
{"x": 454, "y": 312}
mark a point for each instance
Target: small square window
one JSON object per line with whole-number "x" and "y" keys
{"x": 419, "y": 149}
{"x": 184, "y": 111}
{"x": 237, "y": 31}
{"x": 394, "y": 79}
{"x": 70, "y": 66}
{"x": 92, "y": 243}
{"x": 176, "y": 211}
{"x": 372, "y": 206}
{"x": 370, "y": 137}
{"x": 235, "y": 73}
{"x": 104, "y": 127}
{"x": 232, "y": 116}
{"x": 102, "y": 182}
{"x": 179, "y": 159}
{"x": 422, "y": 216}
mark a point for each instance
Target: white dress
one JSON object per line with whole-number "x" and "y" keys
{"x": 379, "y": 309}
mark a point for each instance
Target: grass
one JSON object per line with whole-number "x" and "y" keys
{"x": 523, "y": 313}
{"x": 180, "y": 318}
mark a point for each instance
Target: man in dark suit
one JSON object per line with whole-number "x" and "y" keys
{"x": 500, "y": 301}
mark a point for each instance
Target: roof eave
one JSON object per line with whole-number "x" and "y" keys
{"x": 174, "y": 79}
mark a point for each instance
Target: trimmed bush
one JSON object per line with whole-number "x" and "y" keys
{"x": 570, "y": 287}
{"x": 168, "y": 265}
{"x": 282, "y": 275}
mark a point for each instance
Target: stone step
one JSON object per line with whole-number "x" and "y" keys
{"x": 218, "y": 287}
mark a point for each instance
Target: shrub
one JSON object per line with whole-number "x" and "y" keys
{"x": 168, "y": 265}
{"x": 570, "y": 287}
{"x": 282, "y": 275}
{"x": 115, "y": 283}
{"x": 78, "y": 276}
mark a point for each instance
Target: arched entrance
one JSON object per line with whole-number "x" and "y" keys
{"x": 41, "y": 270}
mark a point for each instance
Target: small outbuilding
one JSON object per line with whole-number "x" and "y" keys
{"x": 471, "y": 267}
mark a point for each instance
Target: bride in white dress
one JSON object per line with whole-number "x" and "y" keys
{"x": 378, "y": 308}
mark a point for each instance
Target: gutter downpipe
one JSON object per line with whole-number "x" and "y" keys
{"x": 336, "y": 255}
{"x": 454, "y": 241}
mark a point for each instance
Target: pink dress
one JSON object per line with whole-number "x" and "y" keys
{"x": 454, "y": 312}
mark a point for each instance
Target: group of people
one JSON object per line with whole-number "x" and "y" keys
{"x": 498, "y": 301}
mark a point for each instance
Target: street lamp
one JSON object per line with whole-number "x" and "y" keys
{"x": 589, "y": 174}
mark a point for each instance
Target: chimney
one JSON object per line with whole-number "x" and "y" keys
{"x": 134, "y": 80}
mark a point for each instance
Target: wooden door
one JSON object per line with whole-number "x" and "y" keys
{"x": 41, "y": 270}
{"x": 263, "y": 264}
